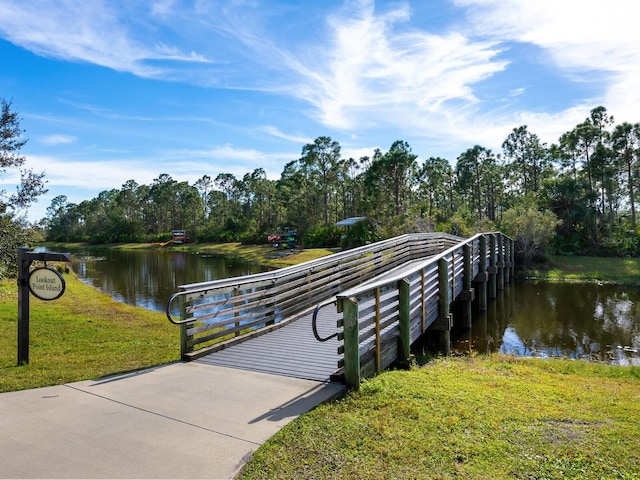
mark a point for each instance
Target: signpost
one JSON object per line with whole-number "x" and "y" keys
{"x": 44, "y": 283}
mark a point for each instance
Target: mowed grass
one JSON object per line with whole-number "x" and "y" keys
{"x": 473, "y": 418}
{"x": 624, "y": 271}
{"x": 82, "y": 335}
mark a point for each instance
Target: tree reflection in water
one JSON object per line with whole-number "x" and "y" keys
{"x": 574, "y": 320}
{"x": 147, "y": 278}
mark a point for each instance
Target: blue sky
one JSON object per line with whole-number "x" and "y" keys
{"x": 115, "y": 90}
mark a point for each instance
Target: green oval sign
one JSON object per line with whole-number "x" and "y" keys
{"x": 46, "y": 283}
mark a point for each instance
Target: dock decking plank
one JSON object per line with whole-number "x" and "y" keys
{"x": 290, "y": 351}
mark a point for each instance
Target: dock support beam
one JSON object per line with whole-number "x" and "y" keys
{"x": 493, "y": 267}
{"x": 507, "y": 261}
{"x": 481, "y": 279}
{"x": 468, "y": 293}
{"x": 443, "y": 324}
{"x": 501, "y": 263}
{"x": 351, "y": 343}
{"x": 404, "y": 324}
{"x": 513, "y": 258}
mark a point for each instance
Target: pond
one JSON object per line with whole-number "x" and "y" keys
{"x": 590, "y": 321}
{"x": 147, "y": 278}
{"x": 542, "y": 319}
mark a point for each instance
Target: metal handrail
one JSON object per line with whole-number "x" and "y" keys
{"x": 314, "y": 321}
{"x": 275, "y": 276}
{"x": 168, "y": 310}
{"x": 391, "y": 279}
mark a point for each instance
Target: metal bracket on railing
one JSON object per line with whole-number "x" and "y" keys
{"x": 315, "y": 317}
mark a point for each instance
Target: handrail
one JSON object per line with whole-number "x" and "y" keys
{"x": 281, "y": 272}
{"x": 172, "y": 298}
{"x": 383, "y": 316}
{"x": 390, "y": 279}
{"x": 213, "y": 310}
{"x": 314, "y": 319}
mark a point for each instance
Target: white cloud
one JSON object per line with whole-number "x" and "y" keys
{"x": 230, "y": 159}
{"x": 93, "y": 32}
{"x": 370, "y": 68}
{"x": 98, "y": 175}
{"x": 275, "y": 132}
{"x": 587, "y": 41}
{"x": 376, "y": 64}
{"x": 53, "y": 140}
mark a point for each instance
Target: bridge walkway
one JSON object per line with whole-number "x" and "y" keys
{"x": 292, "y": 350}
{"x": 386, "y": 296}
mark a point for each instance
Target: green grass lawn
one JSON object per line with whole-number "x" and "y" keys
{"x": 606, "y": 269}
{"x": 474, "y": 418}
{"x": 82, "y": 335}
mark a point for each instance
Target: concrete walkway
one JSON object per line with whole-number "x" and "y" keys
{"x": 183, "y": 420}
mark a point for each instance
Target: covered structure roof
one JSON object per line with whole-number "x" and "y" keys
{"x": 347, "y": 222}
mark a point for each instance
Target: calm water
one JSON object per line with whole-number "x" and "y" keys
{"x": 541, "y": 319}
{"x": 148, "y": 278}
{"x": 597, "y": 322}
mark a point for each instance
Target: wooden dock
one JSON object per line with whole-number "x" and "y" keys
{"x": 385, "y": 296}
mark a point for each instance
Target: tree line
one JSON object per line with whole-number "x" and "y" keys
{"x": 585, "y": 184}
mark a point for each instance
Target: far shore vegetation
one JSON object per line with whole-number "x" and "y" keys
{"x": 263, "y": 254}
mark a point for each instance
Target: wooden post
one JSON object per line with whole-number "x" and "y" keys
{"x": 507, "y": 260}
{"x": 493, "y": 268}
{"x": 23, "y": 306}
{"x": 513, "y": 258}
{"x": 404, "y": 324}
{"x": 378, "y": 340}
{"x": 423, "y": 303}
{"x": 185, "y": 338}
{"x": 351, "y": 343}
{"x": 500, "y": 273}
{"x": 444, "y": 333}
{"x": 25, "y": 259}
{"x": 466, "y": 285}
{"x": 482, "y": 275}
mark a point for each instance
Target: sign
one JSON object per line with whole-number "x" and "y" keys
{"x": 46, "y": 283}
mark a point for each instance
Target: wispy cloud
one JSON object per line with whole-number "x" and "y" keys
{"x": 587, "y": 41}
{"x": 275, "y": 132}
{"x": 368, "y": 66}
{"x": 378, "y": 62}
{"x": 231, "y": 159}
{"x": 53, "y": 140}
{"x": 93, "y": 32}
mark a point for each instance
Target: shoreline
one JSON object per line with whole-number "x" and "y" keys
{"x": 264, "y": 255}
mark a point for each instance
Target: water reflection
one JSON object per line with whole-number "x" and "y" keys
{"x": 542, "y": 319}
{"x": 148, "y": 278}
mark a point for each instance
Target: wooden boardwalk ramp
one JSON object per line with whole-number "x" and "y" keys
{"x": 378, "y": 299}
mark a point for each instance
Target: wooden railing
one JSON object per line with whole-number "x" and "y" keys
{"x": 382, "y": 318}
{"x": 214, "y": 314}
